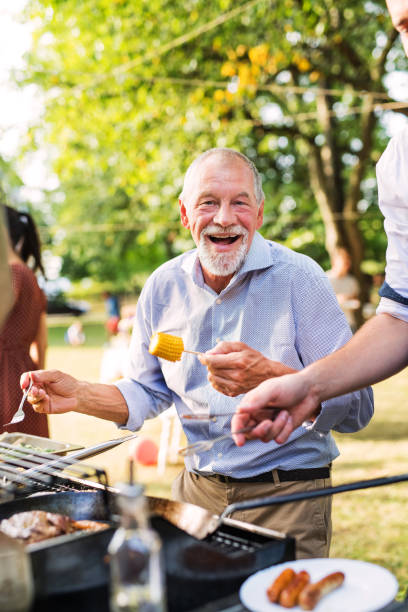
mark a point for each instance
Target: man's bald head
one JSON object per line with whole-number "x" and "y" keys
{"x": 224, "y": 153}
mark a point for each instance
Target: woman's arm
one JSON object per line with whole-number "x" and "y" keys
{"x": 39, "y": 346}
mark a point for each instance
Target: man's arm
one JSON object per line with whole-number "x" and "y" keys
{"x": 54, "y": 392}
{"x": 378, "y": 350}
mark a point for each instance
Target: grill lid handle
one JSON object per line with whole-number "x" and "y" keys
{"x": 283, "y": 499}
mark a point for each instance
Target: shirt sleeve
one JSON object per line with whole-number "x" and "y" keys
{"x": 144, "y": 388}
{"x": 322, "y": 329}
{"x": 392, "y": 179}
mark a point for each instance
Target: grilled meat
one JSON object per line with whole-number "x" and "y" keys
{"x": 37, "y": 525}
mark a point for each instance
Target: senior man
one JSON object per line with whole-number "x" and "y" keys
{"x": 380, "y": 348}
{"x": 274, "y": 311}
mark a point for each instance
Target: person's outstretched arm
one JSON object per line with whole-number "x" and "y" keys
{"x": 54, "y": 392}
{"x": 378, "y": 350}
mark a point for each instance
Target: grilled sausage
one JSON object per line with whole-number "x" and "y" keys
{"x": 89, "y": 525}
{"x": 290, "y": 595}
{"x": 313, "y": 593}
{"x": 279, "y": 584}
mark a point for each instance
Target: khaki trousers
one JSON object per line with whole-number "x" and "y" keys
{"x": 309, "y": 521}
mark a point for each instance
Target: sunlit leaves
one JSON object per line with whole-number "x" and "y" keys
{"x": 129, "y": 104}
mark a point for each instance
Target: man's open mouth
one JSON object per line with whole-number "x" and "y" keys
{"x": 224, "y": 239}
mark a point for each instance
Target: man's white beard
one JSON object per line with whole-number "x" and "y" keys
{"x": 222, "y": 264}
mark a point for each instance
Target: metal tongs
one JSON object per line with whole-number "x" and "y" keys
{"x": 203, "y": 416}
{"x": 270, "y": 412}
{"x": 203, "y": 446}
{"x": 19, "y": 414}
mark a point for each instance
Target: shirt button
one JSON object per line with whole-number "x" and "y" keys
{"x": 219, "y": 301}
{"x": 219, "y": 455}
{"x": 218, "y": 340}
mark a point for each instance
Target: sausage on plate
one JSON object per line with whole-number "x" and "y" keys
{"x": 289, "y": 597}
{"x": 312, "y": 594}
{"x": 273, "y": 592}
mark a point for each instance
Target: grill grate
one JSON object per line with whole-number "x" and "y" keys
{"x": 233, "y": 544}
{"x": 24, "y": 471}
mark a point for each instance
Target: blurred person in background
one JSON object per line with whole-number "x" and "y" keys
{"x": 115, "y": 354}
{"x": 380, "y": 348}
{"x": 5, "y": 281}
{"x": 344, "y": 284}
{"x": 75, "y": 335}
{"x": 23, "y": 337}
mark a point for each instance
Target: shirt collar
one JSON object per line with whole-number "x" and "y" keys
{"x": 260, "y": 256}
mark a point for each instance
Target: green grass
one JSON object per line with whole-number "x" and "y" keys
{"x": 368, "y": 525}
{"x": 95, "y": 333}
{"x": 371, "y": 524}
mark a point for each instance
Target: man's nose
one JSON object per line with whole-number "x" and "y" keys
{"x": 224, "y": 215}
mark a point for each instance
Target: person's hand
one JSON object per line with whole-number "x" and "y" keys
{"x": 292, "y": 395}
{"x": 235, "y": 368}
{"x": 53, "y": 392}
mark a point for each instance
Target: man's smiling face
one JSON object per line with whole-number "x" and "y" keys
{"x": 220, "y": 209}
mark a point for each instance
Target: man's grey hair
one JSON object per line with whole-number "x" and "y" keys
{"x": 231, "y": 153}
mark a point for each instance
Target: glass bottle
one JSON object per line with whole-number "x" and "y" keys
{"x": 137, "y": 583}
{"x": 16, "y": 581}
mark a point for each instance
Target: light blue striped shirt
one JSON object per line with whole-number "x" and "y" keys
{"x": 280, "y": 303}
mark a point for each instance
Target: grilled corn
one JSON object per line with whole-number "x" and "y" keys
{"x": 166, "y": 346}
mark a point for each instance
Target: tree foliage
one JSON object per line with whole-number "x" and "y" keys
{"x": 135, "y": 90}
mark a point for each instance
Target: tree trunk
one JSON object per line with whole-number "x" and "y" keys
{"x": 339, "y": 213}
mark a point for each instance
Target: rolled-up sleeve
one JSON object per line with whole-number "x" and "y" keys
{"x": 144, "y": 388}
{"x": 323, "y": 329}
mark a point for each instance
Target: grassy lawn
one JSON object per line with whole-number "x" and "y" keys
{"x": 368, "y": 525}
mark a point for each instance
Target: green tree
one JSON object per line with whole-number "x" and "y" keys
{"x": 135, "y": 90}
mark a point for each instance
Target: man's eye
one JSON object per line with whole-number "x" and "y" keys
{"x": 240, "y": 203}
{"x": 208, "y": 203}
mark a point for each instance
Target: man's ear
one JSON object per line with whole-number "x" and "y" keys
{"x": 259, "y": 219}
{"x": 183, "y": 215}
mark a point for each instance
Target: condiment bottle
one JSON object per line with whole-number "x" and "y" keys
{"x": 137, "y": 583}
{"x": 16, "y": 581}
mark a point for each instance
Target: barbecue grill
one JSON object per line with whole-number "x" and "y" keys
{"x": 66, "y": 569}
{"x": 71, "y": 571}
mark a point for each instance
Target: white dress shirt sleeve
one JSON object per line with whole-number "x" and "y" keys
{"x": 392, "y": 178}
{"x": 144, "y": 387}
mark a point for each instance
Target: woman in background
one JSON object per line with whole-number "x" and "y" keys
{"x": 23, "y": 337}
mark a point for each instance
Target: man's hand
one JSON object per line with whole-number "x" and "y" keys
{"x": 53, "y": 392}
{"x": 235, "y": 368}
{"x": 292, "y": 395}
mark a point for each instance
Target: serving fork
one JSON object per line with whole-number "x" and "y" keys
{"x": 203, "y": 446}
{"x": 19, "y": 414}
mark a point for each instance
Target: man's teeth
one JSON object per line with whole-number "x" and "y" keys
{"x": 226, "y": 239}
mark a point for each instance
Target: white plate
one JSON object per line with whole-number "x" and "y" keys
{"x": 366, "y": 588}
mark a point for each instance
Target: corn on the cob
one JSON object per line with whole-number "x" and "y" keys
{"x": 166, "y": 346}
